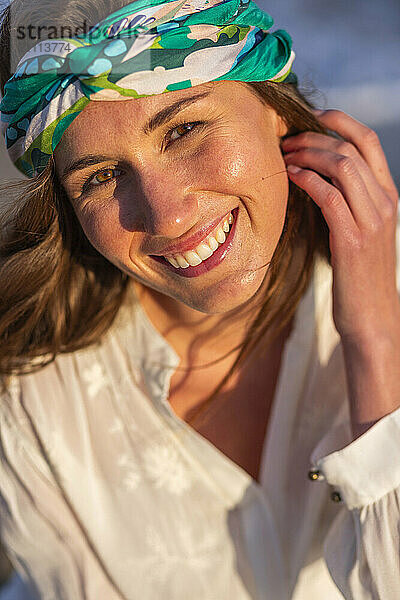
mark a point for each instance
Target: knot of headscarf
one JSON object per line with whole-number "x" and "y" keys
{"x": 147, "y": 47}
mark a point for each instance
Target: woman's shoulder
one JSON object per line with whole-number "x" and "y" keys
{"x": 56, "y": 401}
{"x": 61, "y": 379}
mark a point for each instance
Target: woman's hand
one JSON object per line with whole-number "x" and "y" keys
{"x": 359, "y": 205}
{"x": 360, "y": 208}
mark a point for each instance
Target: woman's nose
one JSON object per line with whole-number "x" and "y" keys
{"x": 169, "y": 207}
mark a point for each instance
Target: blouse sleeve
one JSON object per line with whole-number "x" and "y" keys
{"x": 35, "y": 544}
{"x": 362, "y": 546}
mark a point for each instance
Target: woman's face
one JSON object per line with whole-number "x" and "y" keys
{"x": 150, "y": 188}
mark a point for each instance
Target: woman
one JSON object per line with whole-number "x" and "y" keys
{"x": 200, "y": 322}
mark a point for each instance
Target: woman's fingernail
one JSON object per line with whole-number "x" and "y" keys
{"x": 293, "y": 169}
{"x": 317, "y": 111}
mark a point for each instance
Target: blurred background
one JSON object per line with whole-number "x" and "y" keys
{"x": 347, "y": 57}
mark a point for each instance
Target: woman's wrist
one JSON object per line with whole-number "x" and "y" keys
{"x": 373, "y": 377}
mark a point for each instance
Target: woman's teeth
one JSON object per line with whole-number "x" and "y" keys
{"x": 205, "y": 249}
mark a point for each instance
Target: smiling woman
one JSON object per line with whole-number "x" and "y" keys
{"x": 169, "y": 315}
{"x": 144, "y": 160}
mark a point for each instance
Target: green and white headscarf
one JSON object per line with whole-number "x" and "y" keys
{"x": 147, "y": 47}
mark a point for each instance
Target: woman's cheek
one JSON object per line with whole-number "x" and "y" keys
{"x": 226, "y": 166}
{"x": 103, "y": 229}
{"x": 215, "y": 156}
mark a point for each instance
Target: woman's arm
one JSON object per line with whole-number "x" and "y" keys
{"x": 373, "y": 378}
{"x": 360, "y": 206}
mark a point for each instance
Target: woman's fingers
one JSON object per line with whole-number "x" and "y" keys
{"x": 345, "y": 177}
{"x": 366, "y": 141}
{"x": 351, "y": 183}
{"x": 330, "y": 200}
{"x": 310, "y": 139}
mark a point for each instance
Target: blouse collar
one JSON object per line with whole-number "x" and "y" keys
{"x": 158, "y": 360}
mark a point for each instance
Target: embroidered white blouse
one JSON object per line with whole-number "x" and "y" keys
{"x": 168, "y": 514}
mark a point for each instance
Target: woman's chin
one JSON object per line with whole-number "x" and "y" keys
{"x": 224, "y": 297}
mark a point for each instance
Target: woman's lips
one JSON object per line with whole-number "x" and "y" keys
{"x": 215, "y": 259}
{"x": 192, "y": 241}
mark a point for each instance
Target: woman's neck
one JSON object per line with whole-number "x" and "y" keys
{"x": 194, "y": 334}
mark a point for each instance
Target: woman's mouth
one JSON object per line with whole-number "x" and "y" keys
{"x": 214, "y": 249}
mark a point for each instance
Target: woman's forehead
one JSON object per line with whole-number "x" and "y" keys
{"x": 216, "y": 90}
{"x": 149, "y": 109}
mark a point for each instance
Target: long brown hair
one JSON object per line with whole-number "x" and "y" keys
{"x": 58, "y": 294}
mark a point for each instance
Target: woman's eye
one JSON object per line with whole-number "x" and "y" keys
{"x": 101, "y": 178}
{"x": 106, "y": 175}
{"x": 183, "y": 129}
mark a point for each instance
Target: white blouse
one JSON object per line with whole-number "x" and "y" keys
{"x": 163, "y": 512}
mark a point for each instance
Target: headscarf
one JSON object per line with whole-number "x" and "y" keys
{"x": 147, "y": 47}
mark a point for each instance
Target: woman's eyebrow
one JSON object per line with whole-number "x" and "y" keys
{"x": 162, "y": 116}
{"x": 170, "y": 111}
{"x": 85, "y": 161}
